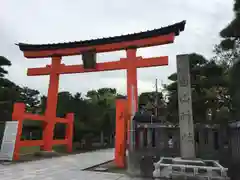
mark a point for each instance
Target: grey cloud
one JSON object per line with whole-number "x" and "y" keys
{"x": 60, "y": 21}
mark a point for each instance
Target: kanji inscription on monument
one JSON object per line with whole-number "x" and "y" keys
{"x": 185, "y": 115}
{"x": 185, "y": 98}
{"x": 185, "y": 107}
{"x": 182, "y": 78}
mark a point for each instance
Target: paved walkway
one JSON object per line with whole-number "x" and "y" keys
{"x": 62, "y": 168}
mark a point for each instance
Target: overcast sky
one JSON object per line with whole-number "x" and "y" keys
{"x": 53, "y": 21}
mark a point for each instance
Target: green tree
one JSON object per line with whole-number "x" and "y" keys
{"x": 9, "y": 91}
{"x": 31, "y": 98}
{"x": 103, "y": 102}
{"x": 43, "y": 104}
{"x": 93, "y": 115}
{"x": 209, "y": 89}
{"x": 231, "y": 33}
{"x": 228, "y": 53}
{"x": 152, "y": 101}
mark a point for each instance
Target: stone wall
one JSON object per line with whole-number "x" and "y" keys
{"x": 208, "y": 144}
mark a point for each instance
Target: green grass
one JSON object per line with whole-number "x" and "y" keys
{"x": 34, "y": 149}
{"x": 59, "y": 148}
{"x": 29, "y": 150}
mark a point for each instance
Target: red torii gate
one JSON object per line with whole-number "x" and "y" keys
{"x": 88, "y": 49}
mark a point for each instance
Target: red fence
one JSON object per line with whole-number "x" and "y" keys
{"x": 47, "y": 142}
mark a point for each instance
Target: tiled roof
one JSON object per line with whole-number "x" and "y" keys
{"x": 174, "y": 28}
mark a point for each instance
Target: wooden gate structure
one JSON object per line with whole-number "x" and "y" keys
{"x": 88, "y": 49}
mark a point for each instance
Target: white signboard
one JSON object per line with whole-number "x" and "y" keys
{"x": 8, "y": 141}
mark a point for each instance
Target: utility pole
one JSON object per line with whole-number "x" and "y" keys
{"x": 156, "y": 98}
{"x": 131, "y": 162}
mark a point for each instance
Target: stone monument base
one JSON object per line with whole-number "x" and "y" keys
{"x": 133, "y": 166}
{"x": 177, "y": 168}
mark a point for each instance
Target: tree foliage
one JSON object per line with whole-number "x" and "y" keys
{"x": 228, "y": 55}
{"x": 209, "y": 89}
{"x": 9, "y": 92}
{"x": 153, "y": 102}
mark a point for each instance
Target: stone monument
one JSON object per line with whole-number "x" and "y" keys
{"x": 185, "y": 108}
{"x": 187, "y": 166}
